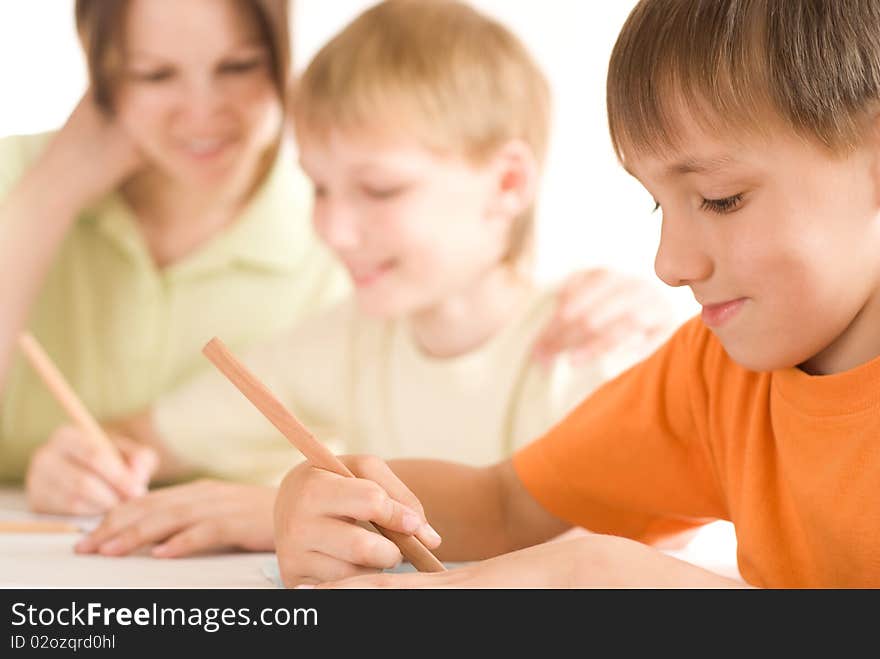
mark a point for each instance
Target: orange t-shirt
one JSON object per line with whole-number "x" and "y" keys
{"x": 689, "y": 436}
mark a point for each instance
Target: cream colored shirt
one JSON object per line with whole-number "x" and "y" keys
{"x": 363, "y": 386}
{"x": 124, "y": 331}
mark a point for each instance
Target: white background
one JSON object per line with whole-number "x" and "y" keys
{"x": 591, "y": 212}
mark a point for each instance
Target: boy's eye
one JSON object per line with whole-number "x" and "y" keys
{"x": 383, "y": 193}
{"x": 242, "y": 66}
{"x": 656, "y": 206}
{"x": 722, "y": 206}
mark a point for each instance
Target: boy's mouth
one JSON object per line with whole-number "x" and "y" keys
{"x": 716, "y": 315}
{"x": 363, "y": 276}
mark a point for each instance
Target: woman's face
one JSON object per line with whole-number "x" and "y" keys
{"x": 197, "y": 94}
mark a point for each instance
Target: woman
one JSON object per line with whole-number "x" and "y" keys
{"x": 166, "y": 211}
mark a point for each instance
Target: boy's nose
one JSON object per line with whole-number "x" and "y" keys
{"x": 680, "y": 257}
{"x": 336, "y": 226}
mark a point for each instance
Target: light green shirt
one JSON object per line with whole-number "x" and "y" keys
{"x": 123, "y": 331}
{"x": 362, "y": 385}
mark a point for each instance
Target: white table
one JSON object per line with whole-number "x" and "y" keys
{"x": 47, "y": 560}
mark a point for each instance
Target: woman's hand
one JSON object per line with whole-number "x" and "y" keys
{"x": 599, "y": 561}
{"x": 185, "y": 519}
{"x": 72, "y": 474}
{"x": 319, "y": 521}
{"x": 90, "y": 156}
{"x": 600, "y": 310}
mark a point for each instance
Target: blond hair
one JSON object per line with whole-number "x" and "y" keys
{"x": 813, "y": 65}
{"x": 455, "y": 79}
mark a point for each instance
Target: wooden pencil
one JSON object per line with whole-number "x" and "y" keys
{"x": 61, "y": 390}
{"x": 313, "y": 450}
{"x": 36, "y": 526}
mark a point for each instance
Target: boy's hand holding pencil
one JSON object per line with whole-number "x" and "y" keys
{"x": 331, "y": 526}
{"x": 317, "y": 538}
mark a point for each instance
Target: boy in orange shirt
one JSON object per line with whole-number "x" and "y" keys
{"x": 756, "y": 127}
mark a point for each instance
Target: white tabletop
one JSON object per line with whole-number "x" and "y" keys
{"x": 47, "y": 560}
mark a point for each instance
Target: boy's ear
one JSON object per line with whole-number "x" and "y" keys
{"x": 874, "y": 143}
{"x": 516, "y": 179}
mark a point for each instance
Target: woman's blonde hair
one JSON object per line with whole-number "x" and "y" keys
{"x": 731, "y": 65}
{"x": 438, "y": 69}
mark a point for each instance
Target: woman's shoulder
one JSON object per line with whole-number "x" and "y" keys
{"x": 22, "y": 150}
{"x": 17, "y": 153}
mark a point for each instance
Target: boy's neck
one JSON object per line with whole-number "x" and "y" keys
{"x": 858, "y": 344}
{"x": 465, "y": 321}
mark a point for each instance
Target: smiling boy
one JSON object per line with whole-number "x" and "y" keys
{"x": 754, "y": 124}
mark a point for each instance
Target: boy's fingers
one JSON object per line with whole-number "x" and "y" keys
{"x": 379, "y": 471}
{"x": 350, "y": 543}
{"x": 366, "y": 501}
{"x": 575, "y": 284}
{"x": 581, "y": 300}
{"x": 385, "y": 580}
{"x": 316, "y": 568}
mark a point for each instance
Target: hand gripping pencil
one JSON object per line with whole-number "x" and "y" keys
{"x": 313, "y": 450}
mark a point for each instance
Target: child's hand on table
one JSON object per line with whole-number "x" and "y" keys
{"x": 186, "y": 519}
{"x": 319, "y": 517}
{"x": 589, "y": 561}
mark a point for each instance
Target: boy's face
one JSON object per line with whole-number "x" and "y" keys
{"x": 411, "y": 227}
{"x": 779, "y": 242}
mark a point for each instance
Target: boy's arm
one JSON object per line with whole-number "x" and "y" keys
{"x": 589, "y": 561}
{"x": 478, "y": 511}
{"x": 631, "y": 460}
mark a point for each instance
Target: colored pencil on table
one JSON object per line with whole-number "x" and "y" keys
{"x": 313, "y": 450}
{"x": 36, "y": 526}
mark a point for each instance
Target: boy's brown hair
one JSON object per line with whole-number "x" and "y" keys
{"x": 813, "y": 65}
{"x": 438, "y": 69}
{"x": 101, "y": 23}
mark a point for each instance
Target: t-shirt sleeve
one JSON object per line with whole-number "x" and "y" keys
{"x": 211, "y": 426}
{"x": 633, "y": 458}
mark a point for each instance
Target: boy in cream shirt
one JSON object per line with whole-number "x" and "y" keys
{"x": 423, "y": 127}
